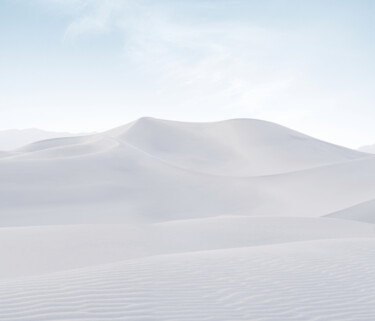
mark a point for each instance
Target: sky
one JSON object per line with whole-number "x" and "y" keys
{"x": 90, "y": 65}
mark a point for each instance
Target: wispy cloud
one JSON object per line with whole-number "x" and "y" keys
{"x": 94, "y": 18}
{"x": 195, "y": 60}
{"x": 227, "y": 61}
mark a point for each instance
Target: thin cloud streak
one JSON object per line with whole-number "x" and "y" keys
{"x": 206, "y": 60}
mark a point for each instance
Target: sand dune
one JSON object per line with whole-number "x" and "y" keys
{"x": 368, "y": 149}
{"x": 363, "y": 212}
{"x": 316, "y": 280}
{"x": 106, "y": 178}
{"x": 240, "y": 147}
{"x": 16, "y": 138}
{"x": 161, "y": 220}
{"x": 47, "y": 249}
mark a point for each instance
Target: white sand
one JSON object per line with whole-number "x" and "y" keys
{"x": 161, "y": 220}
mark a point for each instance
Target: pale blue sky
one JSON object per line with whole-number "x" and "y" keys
{"x": 89, "y": 65}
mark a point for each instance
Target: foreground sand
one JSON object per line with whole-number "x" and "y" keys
{"x": 312, "y": 280}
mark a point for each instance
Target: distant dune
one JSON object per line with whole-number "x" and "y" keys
{"x": 368, "y": 149}
{"x": 15, "y": 138}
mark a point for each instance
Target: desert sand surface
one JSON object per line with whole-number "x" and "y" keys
{"x": 162, "y": 220}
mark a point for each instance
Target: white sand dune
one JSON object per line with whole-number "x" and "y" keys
{"x": 47, "y": 249}
{"x": 363, "y": 212}
{"x": 15, "y": 138}
{"x": 106, "y": 178}
{"x": 315, "y": 280}
{"x": 162, "y": 220}
{"x": 368, "y": 149}
{"x": 240, "y": 147}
